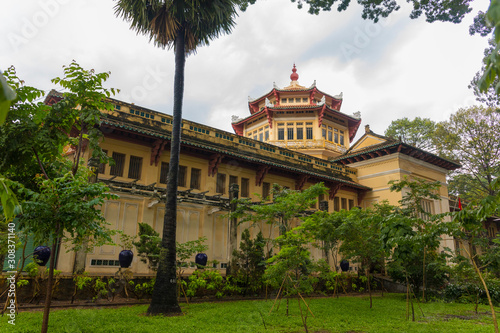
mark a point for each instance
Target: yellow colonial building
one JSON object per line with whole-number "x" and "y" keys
{"x": 294, "y": 136}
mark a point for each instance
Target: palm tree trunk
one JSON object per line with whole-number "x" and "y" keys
{"x": 164, "y": 298}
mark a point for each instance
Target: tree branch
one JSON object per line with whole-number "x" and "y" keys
{"x": 40, "y": 164}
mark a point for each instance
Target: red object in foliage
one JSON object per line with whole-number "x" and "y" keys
{"x": 459, "y": 204}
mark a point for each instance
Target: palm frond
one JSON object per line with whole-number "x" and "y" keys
{"x": 161, "y": 21}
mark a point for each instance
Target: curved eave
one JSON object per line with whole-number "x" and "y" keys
{"x": 253, "y": 102}
{"x": 353, "y": 127}
{"x": 207, "y": 146}
{"x": 53, "y": 97}
{"x": 397, "y": 147}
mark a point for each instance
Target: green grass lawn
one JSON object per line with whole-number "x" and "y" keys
{"x": 346, "y": 314}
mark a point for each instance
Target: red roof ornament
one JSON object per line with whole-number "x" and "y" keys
{"x": 294, "y": 76}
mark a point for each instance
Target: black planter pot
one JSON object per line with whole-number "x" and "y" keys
{"x": 344, "y": 265}
{"x": 201, "y": 259}
{"x": 125, "y": 257}
{"x": 41, "y": 254}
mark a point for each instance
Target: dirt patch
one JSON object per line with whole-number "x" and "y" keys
{"x": 80, "y": 304}
{"x": 472, "y": 316}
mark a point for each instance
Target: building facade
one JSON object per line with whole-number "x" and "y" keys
{"x": 294, "y": 136}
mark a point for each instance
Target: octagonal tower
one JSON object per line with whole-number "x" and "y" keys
{"x": 299, "y": 118}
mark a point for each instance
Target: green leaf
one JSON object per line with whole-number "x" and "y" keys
{"x": 7, "y": 95}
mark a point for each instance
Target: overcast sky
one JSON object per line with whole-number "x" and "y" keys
{"x": 396, "y": 68}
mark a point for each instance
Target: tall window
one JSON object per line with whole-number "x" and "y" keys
{"x": 281, "y": 133}
{"x": 135, "y": 167}
{"x": 289, "y": 131}
{"x": 163, "y": 172}
{"x": 233, "y": 180}
{"x": 330, "y": 133}
{"x": 266, "y": 135}
{"x": 427, "y": 207}
{"x": 266, "y": 190}
{"x": 221, "y": 183}
{"x": 336, "y": 204}
{"x": 102, "y": 166}
{"x": 309, "y": 131}
{"x": 245, "y": 187}
{"x": 300, "y": 133}
{"x": 181, "y": 180}
{"x": 491, "y": 232}
{"x": 323, "y": 131}
{"x": 117, "y": 169}
{"x": 343, "y": 202}
{"x": 336, "y": 135}
{"x": 195, "y": 179}
{"x": 351, "y": 204}
{"x": 341, "y": 134}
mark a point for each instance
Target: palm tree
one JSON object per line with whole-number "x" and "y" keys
{"x": 182, "y": 25}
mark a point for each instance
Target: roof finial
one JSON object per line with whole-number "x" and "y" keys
{"x": 294, "y": 76}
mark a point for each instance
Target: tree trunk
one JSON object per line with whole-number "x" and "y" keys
{"x": 326, "y": 252}
{"x": 478, "y": 271}
{"x": 80, "y": 259}
{"x": 48, "y": 296}
{"x": 164, "y": 298}
{"x": 493, "y": 315}
{"x": 81, "y": 255}
{"x": 233, "y": 229}
{"x": 369, "y": 287}
{"x": 423, "y": 278}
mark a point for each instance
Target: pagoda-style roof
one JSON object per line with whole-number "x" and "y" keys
{"x": 388, "y": 146}
{"x": 352, "y": 122}
{"x": 334, "y": 101}
{"x": 253, "y": 104}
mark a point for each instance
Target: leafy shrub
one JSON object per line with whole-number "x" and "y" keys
{"x": 205, "y": 282}
{"x": 141, "y": 289}
{"x": 249, "y": 264}
{"x": 467, "y": 292}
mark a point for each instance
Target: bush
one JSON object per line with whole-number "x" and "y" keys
{"x": 204, "y": 283}
{"x": 467, "y": 292}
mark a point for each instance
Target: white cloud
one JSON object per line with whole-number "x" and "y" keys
{"x": 394, "y": 69}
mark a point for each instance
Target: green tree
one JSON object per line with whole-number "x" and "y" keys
{"x": 148, "y": 245}
{"x": 420, "y": 228}
{"x": 361, "y": 237}
{"x": 418, "y": 132}
{"x": 31, "y": 145}
{"x": 414, "y": 191}
{"x": 291, "y": 268}
{"x": 485, "y": 24}
{"x": 285, "y": 205}
{"x": 7, "y": 95}
{"x": 183, "y": 26}
{"x": 323, "y": 227}
{"x": 250, "y": 261}
{"x": 447, "y": 11}
{"x": 471, "y": 137}
{"x": 469, "y": 231}
{"x": 8, "y": 200}
{"x": 489, "y": 97}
